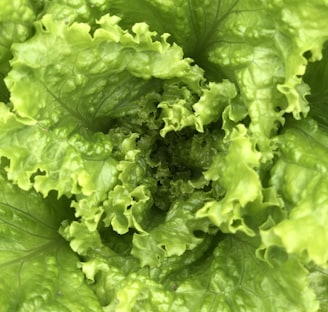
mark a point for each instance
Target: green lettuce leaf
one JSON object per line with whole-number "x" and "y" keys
{"x": 16, "y": 25}
{"x": 234, "y": 281}
{"x": 300, "y": 176}
{"x": 234, "y": 172}
{"x": 39, "y": 272}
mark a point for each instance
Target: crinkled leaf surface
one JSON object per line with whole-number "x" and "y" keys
{"x": 16, "y": 21}
{"x": 300, "y": 175}
{"x": 67, "y": 135}
{"x": 38, "y": 270}
{"x": 257, "y": 44}
{"x": 228, "y": 277}
{"x": 83, "y": 89}
{"x": 234, "y": 170}
{"x": 157, "y": 162}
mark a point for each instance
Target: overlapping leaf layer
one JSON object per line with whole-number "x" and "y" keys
{"x": 163, "y": 155}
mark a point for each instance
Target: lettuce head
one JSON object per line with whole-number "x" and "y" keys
{"x": 164, "y": 155}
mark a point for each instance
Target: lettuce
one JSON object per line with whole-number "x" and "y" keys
{"x": 163, "y": 155}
